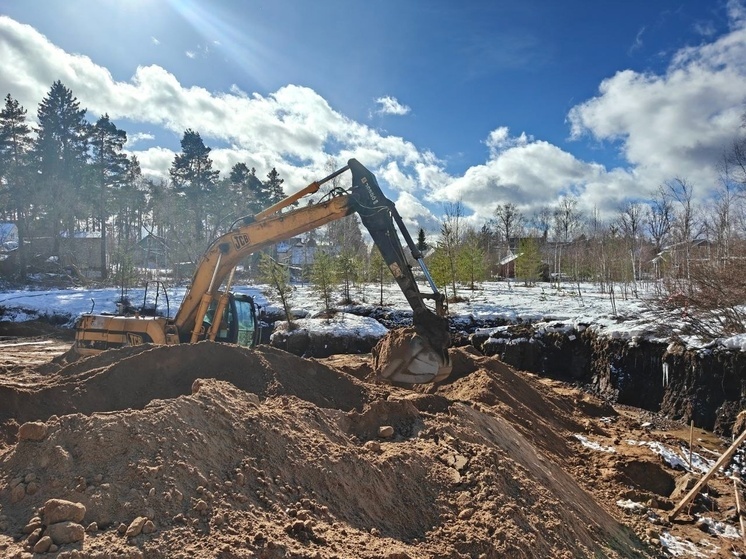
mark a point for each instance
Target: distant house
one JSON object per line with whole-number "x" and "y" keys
{"x": 8, "y": 237}
{"x": 8, "y": 248}
{"x": 507, "y": 265}
{"x": 297, "y": 252}
{"x": 82, "y": 249}
{"x": 152, "y": 252}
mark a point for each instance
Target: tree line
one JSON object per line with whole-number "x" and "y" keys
{"x": 688, "y": 245}
{"x": 66, "y": 176}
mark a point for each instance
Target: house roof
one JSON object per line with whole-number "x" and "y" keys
{"x": 509, "y": 258}
{"x": 8, "y": 237}
{"x": 8, "y": 231}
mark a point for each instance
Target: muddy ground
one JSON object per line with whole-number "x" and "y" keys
{"x": 212, "y": 450}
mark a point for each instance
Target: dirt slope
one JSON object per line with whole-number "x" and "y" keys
{"x": 229, "y": 452}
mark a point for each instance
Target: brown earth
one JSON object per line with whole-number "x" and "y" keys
{"x": 231, "y": 452}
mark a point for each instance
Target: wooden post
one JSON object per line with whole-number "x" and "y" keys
{"x": 721, "y": 462}
{"x": 738, "y": 508}
{"x": 691, "y": 436}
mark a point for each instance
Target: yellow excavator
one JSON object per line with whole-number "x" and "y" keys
{"x": 208, "y": 312}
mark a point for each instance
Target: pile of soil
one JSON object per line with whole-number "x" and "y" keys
{"x": 212, "y": 450}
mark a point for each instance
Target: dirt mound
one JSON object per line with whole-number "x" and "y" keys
{"x": 258, "y": 453}
{"x": 211, "y": 450}
{"x": 133, "y": 377}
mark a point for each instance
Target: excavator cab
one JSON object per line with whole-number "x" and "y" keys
{"x": 238, "y": 321}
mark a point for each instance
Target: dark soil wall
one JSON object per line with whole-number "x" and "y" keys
{"x": 706, "y": 386}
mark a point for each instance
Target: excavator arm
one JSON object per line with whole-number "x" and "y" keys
{"x": 418, "y": 357}
{"x": 423, "y": 356}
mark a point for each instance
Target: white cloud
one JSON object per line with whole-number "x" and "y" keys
{"x": 737, "y": 13}
{"x": 393, "y": 175}
{"x": 133, "y": 139}
{"x": 638, "y": 42}
{"x": 499, "y": 140}
{"x": 415, "y": 214}
{"x": 191, "y": 54}
{"x": 390, "y": 106}
{"x": 291, "y": 125}
{"x": 679, "y": 123}
{"x": 527, "y": 173}
{"x": 154, "y": 162}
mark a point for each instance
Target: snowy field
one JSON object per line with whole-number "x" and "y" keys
{"x": 567, "y": 307}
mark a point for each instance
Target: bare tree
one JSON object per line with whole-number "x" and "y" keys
{"x": 566, "y": 217}
{"x": 720, "y": 223}
{"x": 344, "y": 234}
{"x": 631, "y": 220}
{"x": 660, "y": 219}
{"x": 728, "y": 222}
{"x": 595, "y": 224}
{"x": 541, "y": 220}
{"x": 566, "y": 220}
{"x": 710, "y": 290}
{"x": 685, "y": 226}
{"x": 509, "y": 220}
{"x": 488, "y": 243}
{"x": 449, "y": 242}
{"x": 736, "y": 161}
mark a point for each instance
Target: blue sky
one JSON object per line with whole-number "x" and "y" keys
{"x": 481, "y": 103}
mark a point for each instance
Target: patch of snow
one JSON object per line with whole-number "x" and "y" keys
{"x": 719, "y": 528}
{"x": 342, "y": 324}
{"x": 678, "y": 547}
{"x": 593, "y": 445}
{"x": 675, "y": 459}
{"x": 737, "y": 342}
{"x": 630, "y": 505}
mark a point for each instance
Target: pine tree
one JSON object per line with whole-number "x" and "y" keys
{"x": 471, "y": 260}
{"x": 245, "y": 190}
{"x": 378, "y": 270}
{"x": 348, "y": 268}
{"x": 130, "y": 202}
{"x": 272, "y": 191}
{"x": 192, "y": 175}
{"x": 440, "y": 268}
{"x": 421, "y": 242}
{"x": 15, "y": 146}
{"x": 278, "y": 276}
{"x": 60, "y": 156}
{"x": 323, "y": 276}
{"x": 528, "y": 263}
{"x": 110, "y": 166}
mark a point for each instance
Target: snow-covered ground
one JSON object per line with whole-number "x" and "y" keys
{"x": 492, "y": 300}
{"x": 570, "y": 306}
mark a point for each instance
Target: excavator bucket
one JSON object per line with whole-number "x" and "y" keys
{"x": 404, "y": 356}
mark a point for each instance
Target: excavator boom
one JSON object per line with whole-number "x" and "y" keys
{"x": 420, "y": 356}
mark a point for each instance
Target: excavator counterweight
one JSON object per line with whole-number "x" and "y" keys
{"x": 412, "y": 355}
